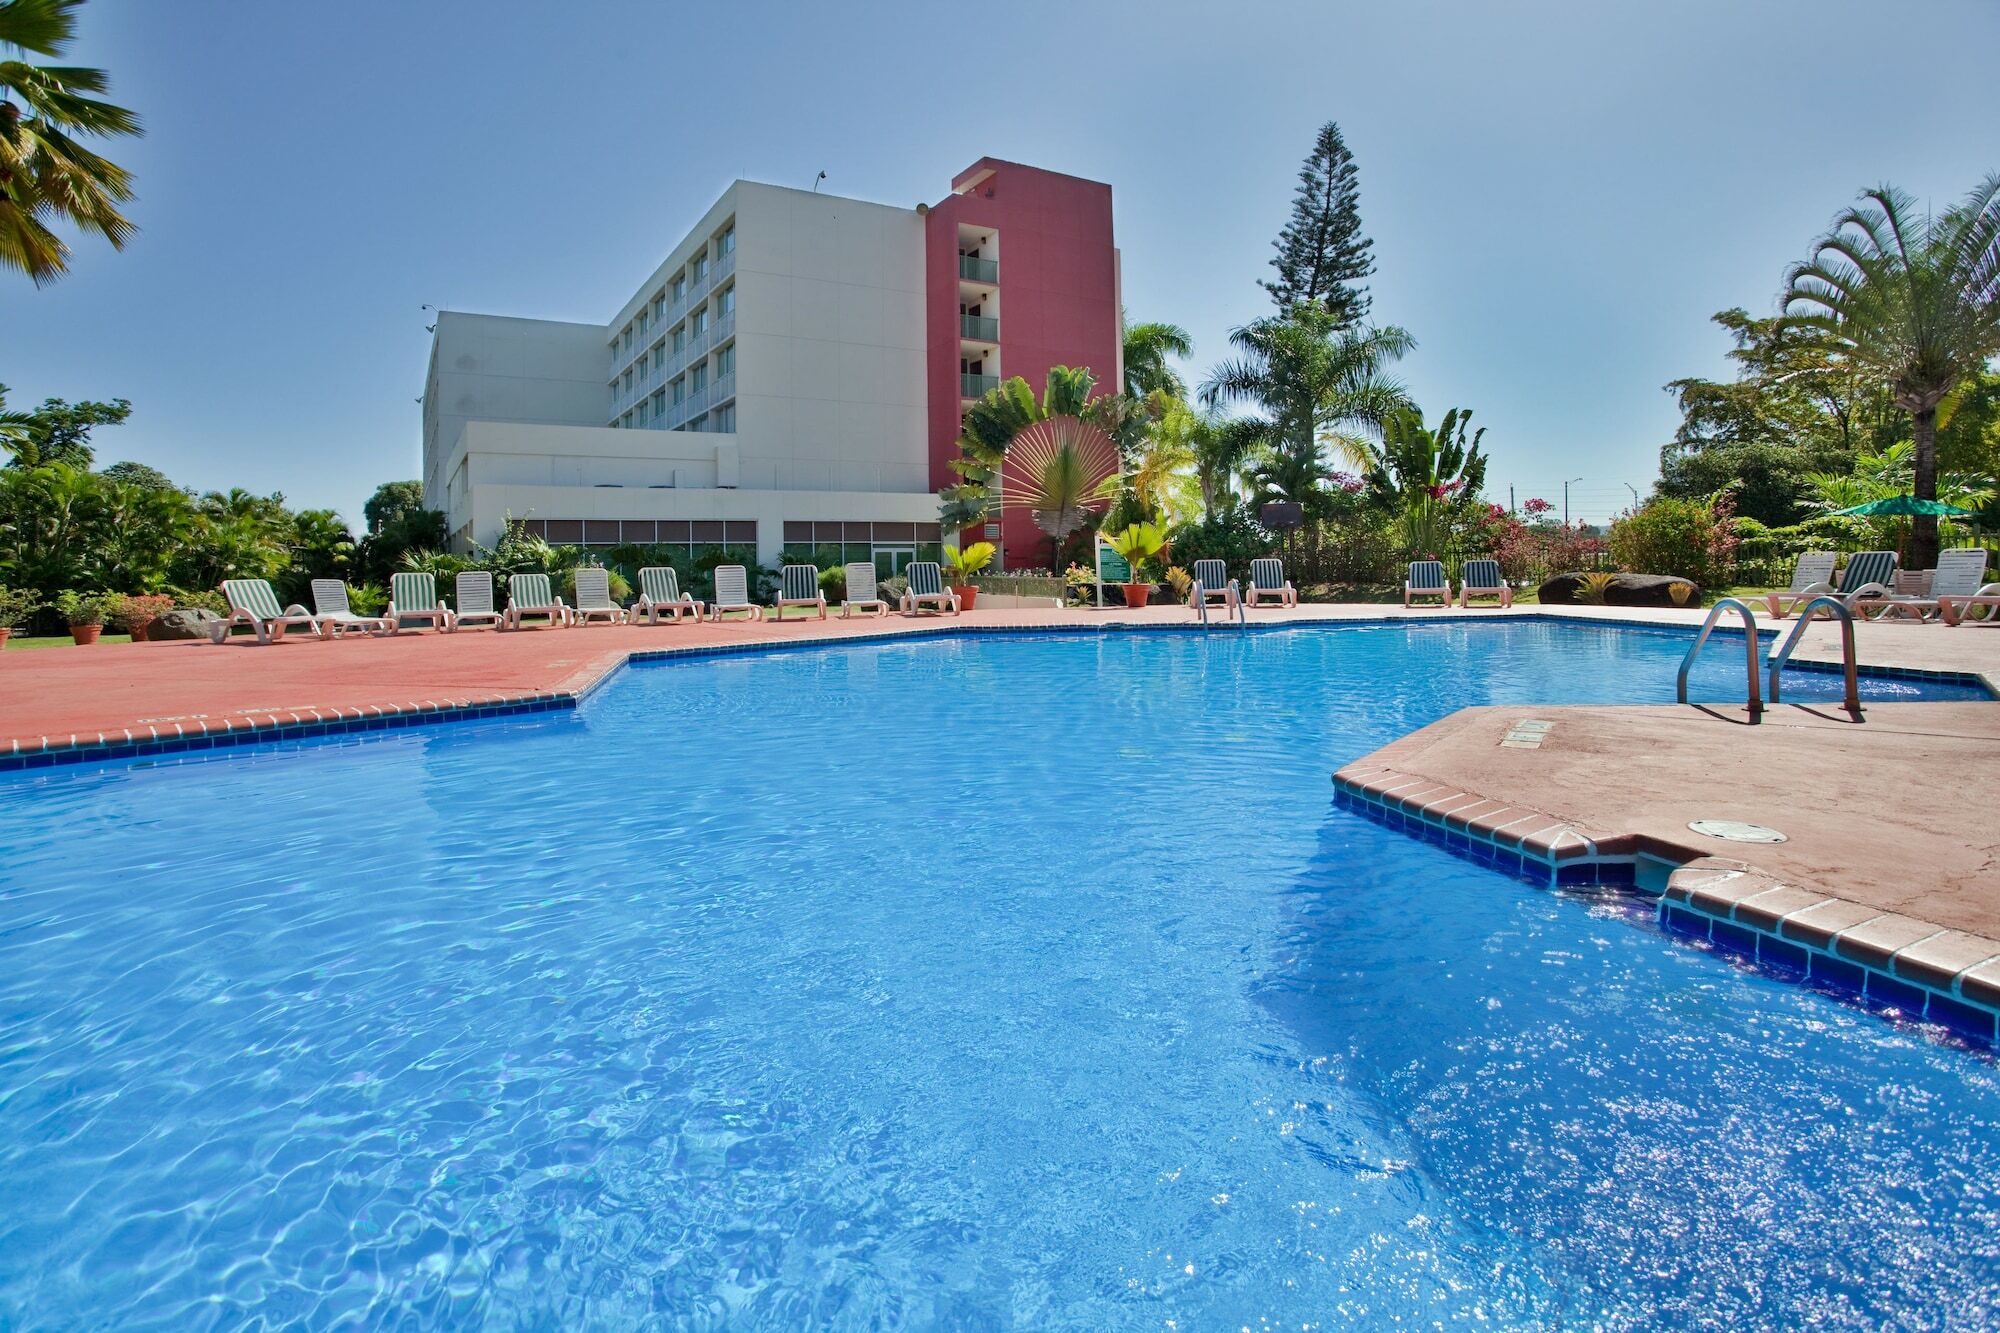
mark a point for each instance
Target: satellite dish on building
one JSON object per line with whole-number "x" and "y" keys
{"x": 1281, "y": 515}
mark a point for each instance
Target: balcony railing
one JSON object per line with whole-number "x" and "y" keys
{"x": 974, "y": 269}
{"x": 723, "y": 389}
{"x": 984, "y": 328}
{"x": 976, "y": 386}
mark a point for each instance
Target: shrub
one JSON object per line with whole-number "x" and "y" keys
{"x": 1694, "y": 539}
{"x": 86, "y": 608}
{"x": 1180, "y": 582}
{"x": 16, "y": 605}
{"x": 367, "y": 599}
{"x": 134, "y": 613}
{"x": 1079, "y": 586}
{"x": 833, "y": 583}
{"x": 621, "y": 587}
{"x": 1229, "y": 534}
{"x": 200, "y": 599}
{"x": 961, "y": 565}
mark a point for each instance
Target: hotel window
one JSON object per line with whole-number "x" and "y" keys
{"x": 725, "y": 244}
{"x": 659, "y": 357}
{"x": 641, "y": 323}
{"x": 699, "y": 423}
{"x": 659, "y": 308}
{"x": 698, "y": 378}
{"x": 628, "y": 381}
{"x": 628, "y": 338}
{"x": 699, "y": 323}
{"x": 725, "y": 361}
{"x": 680, "y": 337}
{"x": 659, "y": 403}
{"x": 639, "y": 413}
{"x": 699, "y": 268}
{"x": 725, "y": 304}
{"x": 680, "y": 288}
{"x": 680, "y": 389}
{"x": 725, "y": 419}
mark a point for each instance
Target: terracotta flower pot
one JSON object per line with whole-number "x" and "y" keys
{"x": 4, "y": 632}
{"x": 966, "y": 596}
{"x": 139, "y": 628}
{"x": 85, "y": 634}
{"x": 1137, "y": 594}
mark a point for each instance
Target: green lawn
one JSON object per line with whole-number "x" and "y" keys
{"x": 16, "y": 643}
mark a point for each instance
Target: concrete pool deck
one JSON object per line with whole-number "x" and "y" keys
{"x": 1885, "y": 843}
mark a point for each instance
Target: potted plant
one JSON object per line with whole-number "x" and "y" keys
{"x": 961, "y": 565}
{"x": 134, "y": 613}
{"x": 16, "y": 605}
{"x": 85, "y": 612}
{"x": 1139, "y": 544}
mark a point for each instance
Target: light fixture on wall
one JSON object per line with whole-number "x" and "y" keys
{"x": 816, "y": 180}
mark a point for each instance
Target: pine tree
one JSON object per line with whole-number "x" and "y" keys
{"x": 1322, "y": 254}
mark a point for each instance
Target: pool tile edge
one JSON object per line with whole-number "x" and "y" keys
{"x": 1886, "y": 959}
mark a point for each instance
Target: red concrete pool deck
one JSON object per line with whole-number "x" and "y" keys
{"x": 1885, "y": 843}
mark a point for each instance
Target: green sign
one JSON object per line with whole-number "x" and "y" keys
{"x": 1111, "y": 566}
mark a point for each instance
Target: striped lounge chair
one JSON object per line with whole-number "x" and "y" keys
{"x": 1868, "y": 574}
{"x": 336, "y": 617}
{"x": 1426, "y": 579}
{"x": 1268, "y": 581}
{"x": 660, "y": 597}
{"x": 252, "y": 603}
{"x": 414, "y": 596}
{"x": 473, "y": 595}
{"x": 531, "y": 595}
{"x": 1482, "y": 578}
{"x": 1960, "y": 576}
{"x": 732, "y": 593}
{"x": 1211, "y": 580}
{"x": 925, "y": 586}
{"x": 798, "y": 585}
{"x": 862, "y": 594}
{"x": 593, "y": 597}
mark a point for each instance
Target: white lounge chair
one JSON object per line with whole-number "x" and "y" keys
{"x": 862, "y": 594}
{"x": 531, "y": 595}
{"x": 660, "y": 597}
{"x": 593, "y": 597}
{"x": 1960, "y": 576}
{"x": 1482, "y": 578}
{"x": 924, "y": 585}
{"x": 414, "y": 596}
{"x": 798, "y": 585}
{"x": 1268, "y": 583}
{"x": 336, "y": 617}
{"x": 1813, "y": 569}
{"x": 1867, "y": 575}
{"x": 473, "y": 594}
{"x": 1211, "y": 580}
{"x": 252, "y": 603}
{"x": 1426, "y": 579}
{"x": 732, "y": 593}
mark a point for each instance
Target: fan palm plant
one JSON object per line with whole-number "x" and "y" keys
{"x": 1061, "y": 469}
{"x": 1912, "y": 299}
{"x": 989, "y": 429}
{"x": 1315, "y": 382}
{"x": 1147, "y": 347}
{"x": 46, "y": 174}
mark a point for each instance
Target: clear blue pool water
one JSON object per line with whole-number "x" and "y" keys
{"x": 1003, "y": 983}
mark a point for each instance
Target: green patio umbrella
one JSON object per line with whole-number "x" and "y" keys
{"x": 1906, "y": 506}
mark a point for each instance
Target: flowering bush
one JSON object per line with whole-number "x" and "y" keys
{"x": 1695, "y": 539}
{"x": 134, "y": 613}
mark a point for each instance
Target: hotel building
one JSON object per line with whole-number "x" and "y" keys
{"x": 791, "y": 377}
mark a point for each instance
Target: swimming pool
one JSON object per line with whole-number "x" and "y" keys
{"x": 977, "y": 983}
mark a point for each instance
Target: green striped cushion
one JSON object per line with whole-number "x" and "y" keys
{"x": 1267, "y": 574}
{"x": 659, "y": 584}
{"x": 1482, "y": 574}
{"x": 1426, "y": 575}
{"x": 526, "y": 590}
{"x": 1866, "y": 567}
{"x": 925, "y": 579}
{"x": 254, "y": 597}
{"x": 413, "y": 592}
{"x": 800, "y": 583}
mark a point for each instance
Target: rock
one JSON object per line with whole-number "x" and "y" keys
{"x": 191, "y": 623}
{"x": 1624, "y": 590}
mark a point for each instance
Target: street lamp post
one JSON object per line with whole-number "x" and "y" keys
{"x": 1566, "y": 485}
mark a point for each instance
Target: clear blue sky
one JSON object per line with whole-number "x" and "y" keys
{"x": 1560, "y": 194}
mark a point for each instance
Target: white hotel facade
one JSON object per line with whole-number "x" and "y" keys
{"x": 791, "y": 376}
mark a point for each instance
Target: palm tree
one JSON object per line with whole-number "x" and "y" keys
{"x": 1913, "y": 300}
{"x": 46, "y": 175}
{"x": 1061, "y": 469}
{"x": 992, "y": 424}
{"x": 1147, "y": 347}
{"x": 1316, "y": 383}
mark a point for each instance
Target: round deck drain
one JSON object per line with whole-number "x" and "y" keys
{"x": 1735, "y": 830}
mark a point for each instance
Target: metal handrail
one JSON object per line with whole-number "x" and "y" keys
{"x": 1235, "y": 599}
{"x": 1749, "y": 651}
{"x": 1839, "y": 610}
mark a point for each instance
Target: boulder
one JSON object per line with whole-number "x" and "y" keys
{"x": 189, "y": 623}
{"x": 1624, "y": 590}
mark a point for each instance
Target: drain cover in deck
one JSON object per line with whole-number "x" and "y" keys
{"x": 1735, "y": 830}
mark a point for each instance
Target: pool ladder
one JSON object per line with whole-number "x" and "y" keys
{"x": 1779, "y": 655}
{"x": 1235, "y": 600}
